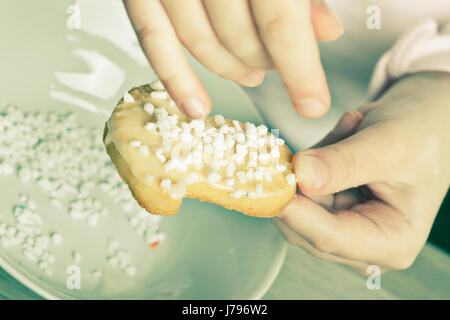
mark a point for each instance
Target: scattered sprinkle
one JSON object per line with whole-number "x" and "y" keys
{"x": 127, "y": 98}
{"x": 149, "y": 108}
{"x": 291, "y": 179}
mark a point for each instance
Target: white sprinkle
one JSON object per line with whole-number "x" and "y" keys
{"x": 259, "y": 188}
{"x": 166, "y": 184}
{"x": 56, "y": 238}
{"x": 149, "y": 108}
{"x": 186, "y": 137}
{"x": 250, "y": 174}
{"x": 135, "y": 143}
{"x": 93, "y": 219}
{"x": 42, "y": 264}
{"x": 229, "y": 182}
{"x": 144, "y": 150}
{"x": 262, "y": 141}
{"x": 160, "y": 156}
{"x": 259, "y": 173}
{"x": 150, "y": 126}
{"x": 97, "y": 273}
{"x": 24, "y": 174}
{"x": 209, "y": 148}
{"x": 197, "y": 125}
{"x": 42, "y": 242}
{"x": 178, "y": 190}
{"x": 262, "y": 130}
{"x": 224, "y": 129}
{"x": 240, "y": 138}
{"x": 241, "y": 150}
{"x": 279, "y": 142}
{"x": 131, "y": 271}
{"x": 112, "y": 260}
{"x": 241, "y": 176}
{"x": 219, "y": 119}
{"x": 192, "y": 178}
{"x": 6, "y": 168}
{"x": 173, "y": 164}
{"x": 149, "y": 178}
{"x": 127, "y": 98}
{"x": 159, "y": 95}
{"x": 290, "y": 178}
{"x": 237, "y": 125}
{"x": 237, "y": 194}
{"x": 230, "y": 169}
{"x": 275, "y": 152}
{"x": 157, "y": 85}
{"x": 213, "y": 177}
{"x": 264, "y": 158}
{"x": 281, "y": 167}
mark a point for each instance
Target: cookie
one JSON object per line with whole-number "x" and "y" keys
{"x": 164, "y": 156}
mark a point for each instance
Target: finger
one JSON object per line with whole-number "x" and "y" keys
{"x": 195, "y": 32}
{"x": 297, "y": 240}
{"x": 327, "y": 25}
{"x": 166, "y": 56}
{"x": 347, "y": 234}
{"x": 345, "y": 127}
{"x": 325, "y": 201}
{"x": 371, "y": 155}
{"x": 286, "y": 30}
{"x": 240, "y": 36}
{"x": 345, "y": 200}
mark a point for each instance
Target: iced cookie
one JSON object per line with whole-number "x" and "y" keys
{"x": 164, "y": 156}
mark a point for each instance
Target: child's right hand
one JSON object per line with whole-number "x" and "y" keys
{"x": 238, "y": 40}
{"x": 383, "y": 184}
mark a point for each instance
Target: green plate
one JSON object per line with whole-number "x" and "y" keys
{"x": 53, "y": 61}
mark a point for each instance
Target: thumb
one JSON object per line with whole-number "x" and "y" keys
{"x": 368, "y": 156}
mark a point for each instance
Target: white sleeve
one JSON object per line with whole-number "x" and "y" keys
{"x": 423, "y": 48}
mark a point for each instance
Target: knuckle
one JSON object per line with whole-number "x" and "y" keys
{"x": 323, "y": 244}
{"x": 197, "y": 42}
{"x": 146, "y": 34}
{"x": 349, "y": 164}
{"x": 233, "y": 40}
{"x": 278, "y": 30}
{"x": 244, "y": 45}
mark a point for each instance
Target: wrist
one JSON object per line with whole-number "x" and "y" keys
{"x": 424, "y": 99}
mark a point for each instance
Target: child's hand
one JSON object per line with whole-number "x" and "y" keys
{"x": 388, "y": 179}
{"x": 238, "y": 40}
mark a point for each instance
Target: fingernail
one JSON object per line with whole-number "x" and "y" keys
{"x": 193, "y": 108}
{"x": 349, "y": 122}
{"x": 310, "y": 171}
{"x": 310, "y": 107}
{"x": 340, "y": 30}
{"x": 253, "y": 79}
{"x": 346, "y": 123}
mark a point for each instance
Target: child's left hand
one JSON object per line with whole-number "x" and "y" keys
{"x": 384, "y": 183}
